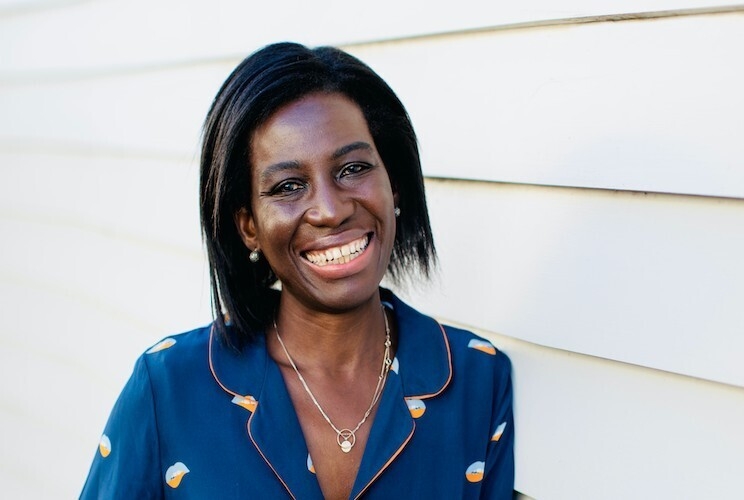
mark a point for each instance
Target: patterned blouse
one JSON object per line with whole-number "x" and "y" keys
{"x": 200, "y": 420}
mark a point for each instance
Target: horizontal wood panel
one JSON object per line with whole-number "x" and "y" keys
{"x": 140, "y": 285}
{"x": 95, "y": 35}
{"x": 653, "y": 280}
{"x": 645, "y": 106}
{"x": 588, "y": 110}
{"x": 152, "y": 114}
{"x": 589, "y": 428}
{"x": 148, "y": 202}
{"x": 121, "y": 237}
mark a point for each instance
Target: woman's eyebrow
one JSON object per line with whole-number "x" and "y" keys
{"x": 269, "y": 171}
{"x": 272, "y": 169}
{"x": 354, "y": 146}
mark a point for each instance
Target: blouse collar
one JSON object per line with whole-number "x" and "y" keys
{"x": 423, "y": 359}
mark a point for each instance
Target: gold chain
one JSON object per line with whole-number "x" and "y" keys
{"x": 346, "y": 438}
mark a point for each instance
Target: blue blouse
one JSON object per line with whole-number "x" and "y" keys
{"x": 200, "y": 420}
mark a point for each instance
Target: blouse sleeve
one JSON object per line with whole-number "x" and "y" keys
{"x": 126, "y": 464}
{"x": 498, "y": 481}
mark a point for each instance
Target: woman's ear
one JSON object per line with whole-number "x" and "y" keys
{"x": 247, "y": 228}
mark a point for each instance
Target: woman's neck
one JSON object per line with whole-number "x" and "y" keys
{"x": 329, "y": 343}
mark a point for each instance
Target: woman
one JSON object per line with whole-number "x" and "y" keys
{"x": 312, "y": 382}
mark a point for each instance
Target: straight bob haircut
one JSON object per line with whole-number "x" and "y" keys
{"x": 266, "y": 80}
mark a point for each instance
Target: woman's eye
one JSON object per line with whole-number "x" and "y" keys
{"x": 287, "y": 187}
{"x": 353, "y": 168}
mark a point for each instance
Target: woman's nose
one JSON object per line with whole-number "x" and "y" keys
{"x": 329, "y": 206}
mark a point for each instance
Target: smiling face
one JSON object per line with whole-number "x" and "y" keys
{"x": 321, "y": 203}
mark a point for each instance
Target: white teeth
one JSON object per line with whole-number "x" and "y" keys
{"x": 338, "y": 255}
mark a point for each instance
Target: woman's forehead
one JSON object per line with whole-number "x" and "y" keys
{"x": 316, "y": 126}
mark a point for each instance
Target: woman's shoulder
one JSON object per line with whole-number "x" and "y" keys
{"x": 198, "y": 337}
{"x": 181, "y": 343}
{"x": 458, "y": 339}
{"x": 198, "y": 357}
{"x": 464, "y": 340}
{"x": 442, "y": 344}
{"x": 182, "y": 352}
{"x": 474, "y": 353}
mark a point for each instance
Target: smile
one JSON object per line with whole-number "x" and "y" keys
{"x": 338, "y": 255}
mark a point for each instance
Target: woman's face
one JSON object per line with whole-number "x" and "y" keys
{"x": 321, "y": 203}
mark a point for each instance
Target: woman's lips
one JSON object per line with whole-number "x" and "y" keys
{"x": 338, "y": 255}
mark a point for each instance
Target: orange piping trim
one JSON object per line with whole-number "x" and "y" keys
{"x": 387, "y": 464}
{"x": 248, "y": 426}
{"x": 214, "y": 374}
{"x": 449, "y": 361}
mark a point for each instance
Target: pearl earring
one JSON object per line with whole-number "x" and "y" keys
{"x": 254, "y": 256}
{"x": 397, "y": 212}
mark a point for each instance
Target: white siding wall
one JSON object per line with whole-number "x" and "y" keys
{"x": 586, "y": 185}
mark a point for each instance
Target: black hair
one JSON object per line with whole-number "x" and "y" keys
{"x": 266, "y": 80}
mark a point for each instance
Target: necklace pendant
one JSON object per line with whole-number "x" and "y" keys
{"x": 346, "y": 439}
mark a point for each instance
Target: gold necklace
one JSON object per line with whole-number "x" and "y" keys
{"x": 346, "y": 438}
